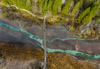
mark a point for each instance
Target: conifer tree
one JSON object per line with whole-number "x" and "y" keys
{"x": 77, "y": 7}
{"x": 50, "y": 5}
{"x": 44, "y": 9}
{"x": 87, "y": 4}
{"x": 83, "y": 14}
{"x": 41, "y": 1}
{"x": 92, "y": 14}
{"x": 14, "y": 2}
{"x": 28, "y": 4}
{"x": 57, "y": 3}
{"x": 65, "y": 9}
{"x": 7, "y": 2}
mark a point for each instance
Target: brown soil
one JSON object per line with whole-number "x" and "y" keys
{"x": 55, "y": 60}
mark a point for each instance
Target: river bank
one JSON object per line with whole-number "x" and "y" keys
{"x": 77, "y": 30}
{"x": 19, "y": 56}
{"x": 12, "y": 36}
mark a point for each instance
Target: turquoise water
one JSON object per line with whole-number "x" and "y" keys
{"x": 72, "y": 52}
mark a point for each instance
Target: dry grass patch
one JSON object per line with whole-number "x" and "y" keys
{"x": 54, "y": 60}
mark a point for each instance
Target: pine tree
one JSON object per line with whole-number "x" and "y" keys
{"x": 87, "y": 4}
{"x": 57, "y": 3}
{"x": 83, "y": 14}
{"x": 44, "y": 8}
{"x": 41, "y": 1}
{"x": 92, "y": 14}
{"x": 21, "y": 4}
{"x": 65, "y": 9}
{"x": 50, "y": 5}
{"x": 77, "y": 7}
{"x": 28, "y": 5}
{"x": 7, "y": 2}
{"x": 14, "y": 2}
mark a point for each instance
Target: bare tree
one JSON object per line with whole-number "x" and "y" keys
{"x": 45, "y": 50}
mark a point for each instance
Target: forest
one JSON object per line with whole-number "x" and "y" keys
{"x": 77, "y": 14}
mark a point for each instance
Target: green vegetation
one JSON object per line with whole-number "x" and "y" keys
{"x": 83, "y": 14}
{"x": 5, "y": 2}
{"x": 22, "y": 4}
{"x": 50, "y": 4}
{"x": 88, "y": 10}
{"x": 44, "y": 9}
{"x": 57, "y": 5}
{"x": 65, "y": 9}
{"x": 77, "y": 7}
{"x": 92, "y": 14}
{"x": 74, "y": 13}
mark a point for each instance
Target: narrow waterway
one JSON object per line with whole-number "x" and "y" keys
{"x": 34, "y": 37}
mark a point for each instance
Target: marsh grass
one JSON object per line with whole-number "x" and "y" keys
{"x": 54, "y": 60}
